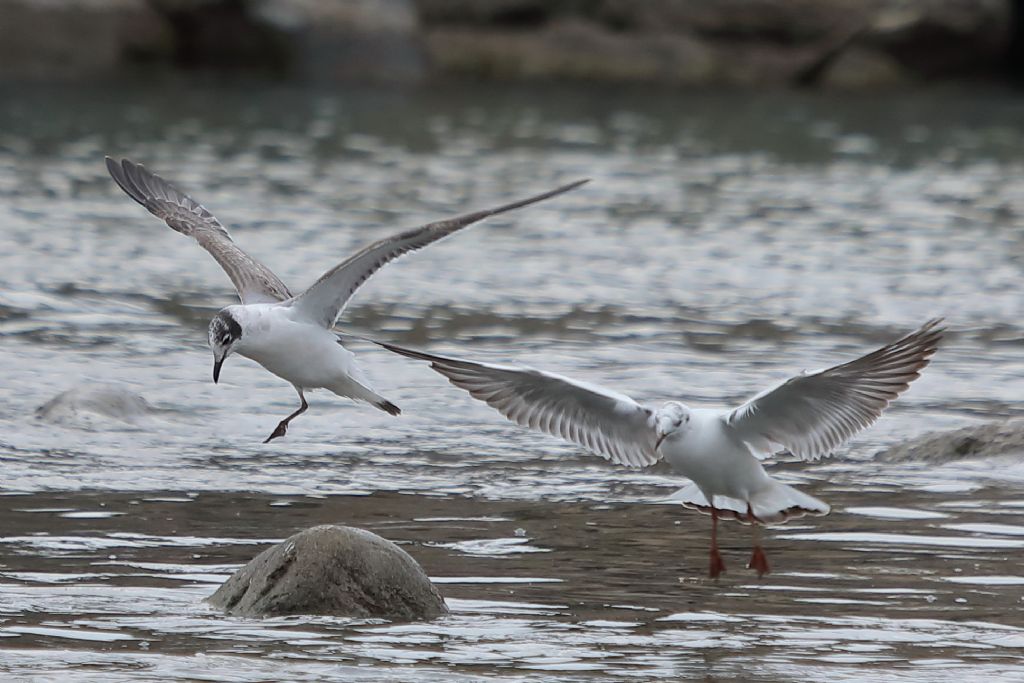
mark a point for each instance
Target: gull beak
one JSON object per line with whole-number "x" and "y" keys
{"x": 216, "y": 369}
{"x": 660, "y": 439}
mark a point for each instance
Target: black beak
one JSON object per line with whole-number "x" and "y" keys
{"x": 660, "y": 439}
{"x": 216, "y": 369}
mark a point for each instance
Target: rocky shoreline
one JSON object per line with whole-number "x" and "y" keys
{"x": 847, "y": 44}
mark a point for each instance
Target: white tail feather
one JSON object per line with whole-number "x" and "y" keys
{"x": 772, "y": 505}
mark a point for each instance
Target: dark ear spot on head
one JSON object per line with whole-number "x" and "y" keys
{"x": 227, "y": 328}
{"x": 233, "y": 327}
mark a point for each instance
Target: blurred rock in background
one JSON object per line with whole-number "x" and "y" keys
{"x": 831, "y": 43}
{"x": 42, "y": 39}
{"x": 305, "y": 39}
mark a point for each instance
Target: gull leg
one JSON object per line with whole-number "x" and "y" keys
{"x": 282, "y": 427}
{"x": 717, "y": 566}
{"x": 759, "y": 560}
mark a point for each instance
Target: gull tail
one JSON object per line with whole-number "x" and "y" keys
{"x": 388, "y": 407}
{"x": 774, "y": 504}
{"x": 350, "y": 387}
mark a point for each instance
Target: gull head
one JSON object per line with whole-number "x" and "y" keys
{"x": 673, "y": 418}
{"x": 223, "y": 333}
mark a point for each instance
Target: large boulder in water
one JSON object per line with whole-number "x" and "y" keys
{"x": 333, "y": 570}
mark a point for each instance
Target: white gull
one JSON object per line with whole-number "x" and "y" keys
{"x": 289, "y": 335}
{"x": 718, "y": 449}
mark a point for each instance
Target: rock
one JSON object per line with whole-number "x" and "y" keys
{"x": 780, "y": 22}
{"x": 860, "y": 68}
{"x": 976, "y": 441}
{"x": 65, "y": 38}
{"x": 943, "y": 38}
{"x": 569, "y": 49}
{"x": 733, "y": 42}
{"x": 354, "y": 39}
{"x": 89, "y": 405}
{"x": 308, "y": 39}
{"x": 333, "y": 570}
{"x": 676, "y": 42}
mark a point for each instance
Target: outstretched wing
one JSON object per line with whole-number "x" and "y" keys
{"x": 605, "y": 422}
{"x": 253, "y": 280}
{"x": 813, "y": 414}
{"x": 324, "y": 301}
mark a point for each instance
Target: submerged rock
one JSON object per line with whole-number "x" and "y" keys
{"x": 976, "y": 441}
{"x": 333, "y": 570}
{"x": 97, "y": 402}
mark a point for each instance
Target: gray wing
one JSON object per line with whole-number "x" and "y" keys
{"x": 813, "y": 414}
{"x": 325, "y": 300}
{"x": 253, "y": 280}
{"x": 605, "y": 422}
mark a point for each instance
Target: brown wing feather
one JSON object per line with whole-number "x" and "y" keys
{"x": 254, "y": 281}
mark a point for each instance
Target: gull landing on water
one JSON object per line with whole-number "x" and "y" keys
{"x": 289, "y": 335}
{"x": 809, "y": 415}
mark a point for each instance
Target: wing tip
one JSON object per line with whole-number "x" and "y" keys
{"x": 123, "y": 165}
{"x": 121, "y": 172}
{"x": 926, "y": 339}
{"x": 475, "y": 216}
{"x": 934, "y": 328}
{"x": 573, "y": 185}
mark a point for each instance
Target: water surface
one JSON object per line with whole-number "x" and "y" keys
{"x": 726, "y": 241}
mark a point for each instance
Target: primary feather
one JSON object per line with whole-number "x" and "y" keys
{"x": 605, "y": 422}
{"x": 326, "y": 298}
{"x": 813, "y": 414}
{"x": 254, "y": 282}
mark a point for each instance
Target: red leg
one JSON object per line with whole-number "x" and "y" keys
{"x": 759, "y": 560}
{"x": 717, "y": 566}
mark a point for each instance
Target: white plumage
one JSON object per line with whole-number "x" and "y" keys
{"x": 718, "y": 449}
{"x": 289, "y": 335}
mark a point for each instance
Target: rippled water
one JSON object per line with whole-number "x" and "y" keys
{"x": 726, "y": 241}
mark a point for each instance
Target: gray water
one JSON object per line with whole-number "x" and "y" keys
{"x": 726, "y": 242}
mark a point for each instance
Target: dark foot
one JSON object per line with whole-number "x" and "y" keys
{"x": 717, "y": 565}
{"x": 759, "y": 562}
{"x": 281, "y": 430}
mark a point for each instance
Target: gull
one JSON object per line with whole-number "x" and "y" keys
{"x": 289, "y": 335}
{"x": 718, "y": 449}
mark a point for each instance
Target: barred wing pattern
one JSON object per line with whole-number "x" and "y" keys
{"x": 605, "y": 422}
{"x": 254, "y": 281}
{"x": 813, "y": 414}
{"x": 325, "y": 300}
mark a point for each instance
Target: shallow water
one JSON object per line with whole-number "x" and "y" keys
{"x": 725, "y": 242}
